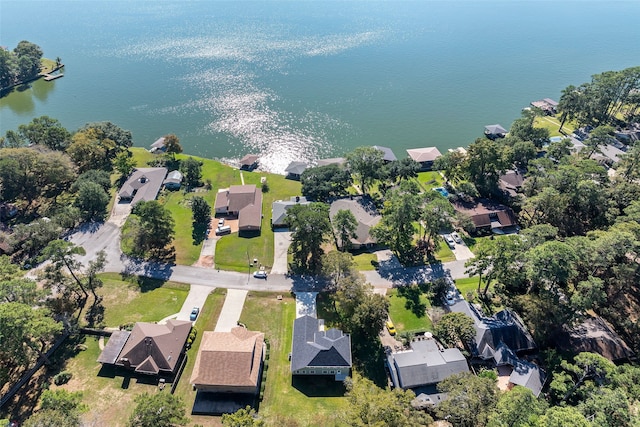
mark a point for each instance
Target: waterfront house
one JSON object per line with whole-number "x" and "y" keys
{"x": 173, "y": 181}
{"x": 387, "y": 154}
{"x": 295, "y": 169}
{"x": 425, "y": 156}
{"x": 243, "y": 202}
{"x": 318, "y": 352}
{"x": 495, "y": 131}
{"x": 279, "y": 210}
{"x": 149, "y": 348}
{"x": 366, "y": 215}
{"x": 143, "y": 184}
{"x": 511, "y": 182}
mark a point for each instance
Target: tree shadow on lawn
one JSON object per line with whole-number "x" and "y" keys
{"x": 368, "y": 358}
{"x": 412, "y": 295}
{"x": 318, "y": 386}
{"x": 199, "y": 233}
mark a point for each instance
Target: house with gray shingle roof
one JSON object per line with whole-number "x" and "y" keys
{"x": 143, "y": 184}
{"x": 425, "y": 363}
{"x": 495, "y": 131}
{"x": 279, "y": 210}
{"x": 319, "y": 352}
{"x": 366, "y": 215}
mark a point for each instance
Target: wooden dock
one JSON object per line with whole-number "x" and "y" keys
{"x": 49, "y": 77}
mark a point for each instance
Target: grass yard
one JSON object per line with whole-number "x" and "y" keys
{"x": 365, "y": 261}
{"x": 187, "y": 250}
{"x": 468, "y": 284}
{"x": 444, "y": 252}
{"x": 206, "y": 322}
{"x": 429, "y": 180}
{"x": 139, "y": 299}
{"x": 308, "y": 404}
{"x": 408, "y": 309}
{"x": 552, "y": 124}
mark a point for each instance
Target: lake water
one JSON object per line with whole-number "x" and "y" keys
{"x": 306, "y": 80}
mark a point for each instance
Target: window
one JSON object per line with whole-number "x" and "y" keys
{"x": 324, "y": 372}
{"x": 332, "y": 372}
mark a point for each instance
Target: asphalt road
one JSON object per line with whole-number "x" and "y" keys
{"x": 106, "y": 236}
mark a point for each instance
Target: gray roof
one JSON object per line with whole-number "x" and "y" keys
{"x": 387, "y": 154}
{"x": 143, "y": 184}
{"x": 332, "y": 161}
{"x": 159, "y": 144}
{"x": 315, "y": 348}
{"x": 504, "y": 327}
{"x": 424, "y": 364}
{"x": 173, "y": 177}
{"x": 366, "y": 215}
{"x": 494, "y": 129}
{"x": 114, "y": 346}
{"x": 279, "y": 209}
{"x": 296, "y": 168}
{"x": 529, "y": 375}
{"x": 610, "y": 152}
{"x": 249, "y": 160}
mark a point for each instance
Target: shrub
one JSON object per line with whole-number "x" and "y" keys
{"x": 62, "y": 378}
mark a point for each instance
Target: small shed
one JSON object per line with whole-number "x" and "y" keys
{"x": 495, "y": 131}
{"x": 295, "y": 169}
{"x": 249, "y": 162}
{"x": 173, "y": 180}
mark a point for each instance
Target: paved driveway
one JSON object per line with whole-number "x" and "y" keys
{"x": 306, "y": 304}
{"x": 196, "y": 298}
{"x": 281, "y": 243}
{"x": 231, "y": 310}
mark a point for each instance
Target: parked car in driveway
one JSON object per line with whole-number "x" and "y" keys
{"x": 194, "y": 313}
{"x": 391, "y": 328}
{"x": 451, "y": 297}
{"x": 450, "y": 241}
{"x": 260, "y": 274}
{"x": 455, "y": 236}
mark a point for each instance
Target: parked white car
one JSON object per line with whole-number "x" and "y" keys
{"x": 456, "y": 237}
{"x": 450, "y": 241}
{"x": 260, "y": 274}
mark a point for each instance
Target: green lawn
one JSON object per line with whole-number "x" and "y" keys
{"x": 468, "y": 284}
{"x": 552, "y": 123}
{"x": 365, "y": 261}
{"x": 310, "y": 404}
{"x": 429, "y": 180}
{"x": 444, "y": 253}
{"x": 207, "y": 320}
{"x": 139, "y": 299}
{"x": 408, "y": 309}
{"x": 233, "y": 251}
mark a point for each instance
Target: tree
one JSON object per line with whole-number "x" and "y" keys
{"x": 107, "y": 130}
{"x": 92, "y": 201}
{"x": 598, "y": 137}
{"x": 124, "y": 163}
{"x": 158, "y": 410}
{"x": 607, "y": 407}
{"x": 46, "y": 131}
{"x": 8, "y": 68}
{"x": 629, "y": 165}
{"x": 345, "y": 226}
{"x": 436, "y": 215}
{"x": 68, "y": 403}
{"x": 172, "y": 145}
{"x": 370, "y": 405}
{"x": 520, "y": 153}
{"x": 89, "y": 149}
{"x": 402, "y": 208}
{"x": 523, "y": 129}
{"x": 562, "y": 416}
{"x": 246, "y": 417}
{"x": 51, "y": 418}
{"x": 403, "y": 169}
{"x": 518, "y": 407}
{"x": 201, "y": 210}
{"x": 12, "y": 139}
{"x": 13, "y": 286}
{"x": 484, "y": 164}
{"x": 28, "y": 239}
{"x": 155, "y": 231}
{"x": 470, "y": 400}
{"x": 192, "y": 170}
{"x": 451, "y": 164}
{"x": 310, "y": 229}
{"x": 26, "y": 48}
{"x": 337, "y": 266}
{"x": 551, "y": 263}
{"x": 455, "y": 328}
{"x": 366, "y": 163}
{"x": 578, "y": 380}
{"x": 28, "y": 56}
{"x": 321, "y": 183}
{"x": 97, "y": 176}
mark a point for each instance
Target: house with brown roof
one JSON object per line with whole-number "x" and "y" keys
{"x": 149, "y": 348}
{"x": 143, "y": 184}
{"x": 243, "y": 202}
{"x": 425, "y": 156}
{"x": 487, "y": 215}
{"x": 249, "y": 162}
{"x": 511, "y": 182}
{"x": 229, "y": 362}
{"x": 366, "y": 215}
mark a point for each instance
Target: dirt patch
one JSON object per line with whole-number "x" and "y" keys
{"x": 204, "y": 261}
